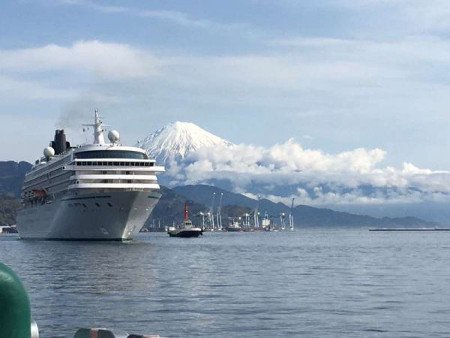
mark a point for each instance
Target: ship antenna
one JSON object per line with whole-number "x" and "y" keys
{"x": 98, "y": 128}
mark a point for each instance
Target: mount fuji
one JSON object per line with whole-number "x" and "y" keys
{"x": 177, "y": 140}
{"x": 351, "y": 181}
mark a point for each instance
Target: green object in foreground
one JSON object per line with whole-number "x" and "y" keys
{"x": 15, "y": 316}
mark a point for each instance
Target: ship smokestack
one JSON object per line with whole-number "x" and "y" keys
{"x": 60, "y": 144}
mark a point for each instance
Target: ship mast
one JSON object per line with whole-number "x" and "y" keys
{"x": 186, "y": 212}
{"x": 98, "y": 129}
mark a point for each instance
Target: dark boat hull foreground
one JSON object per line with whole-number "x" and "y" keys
{"x": 185, "y": 233}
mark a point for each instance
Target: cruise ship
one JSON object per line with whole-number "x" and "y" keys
{"x": 98, "y": 191}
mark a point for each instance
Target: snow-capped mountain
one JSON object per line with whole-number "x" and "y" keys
{"x": 177, "y": 139}
{"x": 347, "y": 181}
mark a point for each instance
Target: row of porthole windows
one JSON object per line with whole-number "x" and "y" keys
{"x": 84, "y": 205}
{"x": 122, "y": 164}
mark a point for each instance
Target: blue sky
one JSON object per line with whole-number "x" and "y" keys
{"x": 336, "y": 75}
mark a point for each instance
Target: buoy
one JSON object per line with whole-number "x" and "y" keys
{"x": 15, "y": 314}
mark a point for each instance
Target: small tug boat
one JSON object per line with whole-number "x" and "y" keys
{"x": 233, "y": 227}
{"x": 186, "y": 229}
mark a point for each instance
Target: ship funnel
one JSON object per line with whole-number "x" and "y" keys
{"x": 60, "y": 145}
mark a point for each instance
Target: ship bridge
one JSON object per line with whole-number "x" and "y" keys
{"x": 113, "y": 168}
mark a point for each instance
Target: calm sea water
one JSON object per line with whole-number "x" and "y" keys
{"x": 327, "y": 282}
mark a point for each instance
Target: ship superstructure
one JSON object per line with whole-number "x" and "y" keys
{"x": 99, "y": 191}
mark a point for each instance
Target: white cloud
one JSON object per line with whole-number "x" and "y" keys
{"x": 110, "y": 61}
{"x": 389, "y": 52}
{"x": 14, "y": 89}
{"x": 179, "y": 18}
{"x": 343, "y": 83}
{"x": 66, "y": 73}
{"x": 313, "y": 177}
{"x": 348, "y": 69}
{"x": 171, "y": 16}
{"x": 409, "y": 16}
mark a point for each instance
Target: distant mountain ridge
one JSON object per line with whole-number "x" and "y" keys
{"x": 303, "y": 215}
{"x": 12, "y": 175}
{"x": 8, "y": 210}
{"x": 349, "y": 181}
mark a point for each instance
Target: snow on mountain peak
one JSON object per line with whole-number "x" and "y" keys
{"x": 177, "y": 139}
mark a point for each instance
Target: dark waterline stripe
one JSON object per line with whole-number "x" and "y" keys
{"x": 77, "y": 239}
{"x": 84, "y": 198}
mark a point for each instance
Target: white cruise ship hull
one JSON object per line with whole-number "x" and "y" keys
{"x": 90, "y": 216}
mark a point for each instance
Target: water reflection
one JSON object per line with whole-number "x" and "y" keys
{"x": 312, "y": 282}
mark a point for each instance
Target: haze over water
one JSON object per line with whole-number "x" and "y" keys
{"x": 313, "y": 282}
